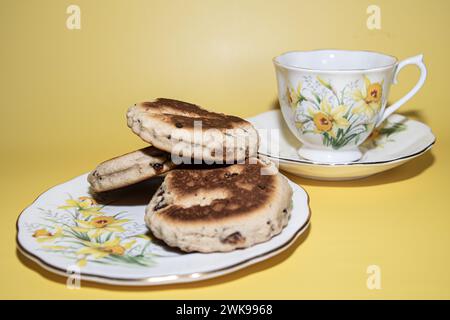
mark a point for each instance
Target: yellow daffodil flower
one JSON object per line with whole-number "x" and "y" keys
{"x": 43, "y": 235}
{"x": 368, "y": 99}
{"x": 325, "y": 83}
{"x": 99, "y": 225}
{"x": 328, "y": 119}
{"x": 101, "y": 250}
{"x": 374, "y": 134}
{"x": 85, "y": 205}
{"x": 294, "y": 96}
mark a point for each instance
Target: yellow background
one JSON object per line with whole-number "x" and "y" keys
{"x": 64, "y": 94}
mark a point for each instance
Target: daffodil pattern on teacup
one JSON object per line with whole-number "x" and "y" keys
{"x": 368, "y": 100}
{"x": 341, "y": 118}
{"x": 294, "y": 96}
{"x": 82, "y": 231}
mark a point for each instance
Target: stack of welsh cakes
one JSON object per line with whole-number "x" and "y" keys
{"x": 227, "y": 198}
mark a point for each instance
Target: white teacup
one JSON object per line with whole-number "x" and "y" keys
{"x": 333, "y": 99}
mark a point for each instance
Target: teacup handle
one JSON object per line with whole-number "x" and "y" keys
{"x": 418, "y": 61}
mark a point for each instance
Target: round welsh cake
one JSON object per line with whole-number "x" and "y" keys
{"x": 220, "y": 209}
{"x": 129, "y": 168}
{"x": 189, "y": 131}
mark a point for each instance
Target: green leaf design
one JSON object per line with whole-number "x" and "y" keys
{"x": 396, "y": 127}
{"x": 316, "y": 96}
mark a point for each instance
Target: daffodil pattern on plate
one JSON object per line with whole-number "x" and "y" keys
{"x": 383, "y": 134}
{"x": 340, "y": 118}
{"x": 81, "y": 230}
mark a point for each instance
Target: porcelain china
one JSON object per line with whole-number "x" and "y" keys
{"x": 395, "y": 142}
{"x": 332, "y": 100}
{"x": 105, "y": 240}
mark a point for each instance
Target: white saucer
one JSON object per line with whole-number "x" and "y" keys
{"x": 399, "y": 140}
{"x": 57, "y": 232}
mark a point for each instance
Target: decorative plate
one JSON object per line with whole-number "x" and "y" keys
{"x": 105, "y": 239}
{"x": 395, "y": 142}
